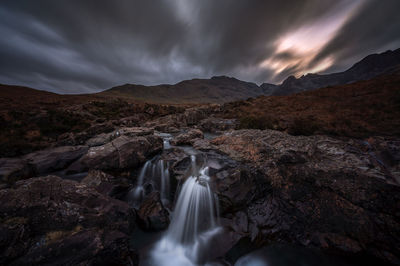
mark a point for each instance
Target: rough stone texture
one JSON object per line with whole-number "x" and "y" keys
{"x": 80, "y": 138}
{"x": 47, "y": 220}
{"x": 13, "y": 169}
{"x": 107, "y": 184}
{"x": 213, "y": 124}
{"x": 99, "y": 140}
{"x": 313, "y": 191}
{"x": 122, "y": 153}
{"x": 187, "y": 137}
{"x": 53, "y": 159}
{"x": 190, "y": 117}
{"x": 152, "y": 215}
{"x": 202, "y": 144}
{"x": 136, "y": 131}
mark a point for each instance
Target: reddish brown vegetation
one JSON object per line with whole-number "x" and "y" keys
{"x": 31, "y": 119}
{"x": 360, "y": 109}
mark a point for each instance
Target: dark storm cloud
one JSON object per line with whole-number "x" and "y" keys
{"x": 85, "y": 46}
{"x": 374, "y": 28}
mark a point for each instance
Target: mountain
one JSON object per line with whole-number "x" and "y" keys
{"x": 215, "y": 90}
{"x": 369, "y": 67}
{"x": 268, "y": 88}
{"x": 361, "y": 109}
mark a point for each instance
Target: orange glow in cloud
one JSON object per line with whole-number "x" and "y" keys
{"x": 304, "y": 43}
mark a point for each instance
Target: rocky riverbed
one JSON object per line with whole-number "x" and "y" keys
{"x": 72, "y": 204}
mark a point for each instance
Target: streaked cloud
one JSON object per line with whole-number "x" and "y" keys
{"x": 86, "y": 46}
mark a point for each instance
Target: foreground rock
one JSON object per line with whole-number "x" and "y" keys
{"x": 39, "y": 163}
{"x": 47, "y": 220}
{"x": 107, "y": 184}
{"x": 121, "y": 153}
{"x": 187, "y": 137}
{"x": 215, "y": 125}
{"x": 50, "y": 160}
{"x": 312, "y": 191}
{"x": 13, "y": 169}
{"x": 152, "y": 215}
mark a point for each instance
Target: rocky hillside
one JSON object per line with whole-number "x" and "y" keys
{"x": 31, "y": 119}
{"x": 338, "y": 197}
{"x": 316, "y": 171}
{"x": 360, "y": 109}
{"x": 214, "y": 90}
{"x": 369, "y": 67}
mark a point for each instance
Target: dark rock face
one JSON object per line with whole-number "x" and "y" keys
{"x": 215, "y": 125}
{"x": 188, "y": 137}
{"x": 13, "y": 169}
{"x": 313, "y": 191}
{"x": 122, "y": 153}
{"x": 152, "y": 215}
{"x": 50, "y": 160}
{"x": 107, "y": 184}
{"x": 47, "y": 220}
{"x": 39, "y": 163}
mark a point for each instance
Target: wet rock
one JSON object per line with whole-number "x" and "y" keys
{"x": 99, "y": 140}
{"x": 168, "y": 123}
{"x": 135, "y": 131}
{"x": 53, "y": 159}
{"x": 80, "y": 138}
{"x": 122, "y": 153}
{"x": 172, "y": 122}
{"x": 214, "y": 125}
{"x": 152, "y": 215}
{"x": 47, "y": 220}
{"x": 13, "y": 169}
{"x": 187, "y": 137}
{"x": 133, "y": 120}
{"x": 194, "y": 115}
{"x": 104, "y": 138}
{"x": 107, "y": 184}
{"x": 313, "y": 191}
{"x": 202, "y": 144}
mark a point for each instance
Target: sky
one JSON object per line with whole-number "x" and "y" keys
{"x": 83, "y": 46}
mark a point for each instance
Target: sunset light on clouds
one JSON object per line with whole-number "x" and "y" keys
{"x": 86, "y": 46}
{"x": 296, "y": 49}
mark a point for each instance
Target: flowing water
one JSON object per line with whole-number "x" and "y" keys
{"x": 194, "y": 220}
{"x": 154, "y": 175}
{"x": 194, "y": 223}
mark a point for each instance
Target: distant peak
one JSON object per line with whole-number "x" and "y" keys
{"x": 222, "y": 77}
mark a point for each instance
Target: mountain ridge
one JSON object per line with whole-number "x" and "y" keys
{"x": 214, "y": 90}
{"x": 369, "y": 67}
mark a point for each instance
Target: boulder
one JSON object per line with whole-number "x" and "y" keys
{"x": 121, "y": 153}
{"x": 13, "y": 169}
{"x": 194, "y": 115}
{"x": 312, "y": 191}
{"x": 213, "y": 124}
{"x": 136, "y": 131}
{"x": 53, "y": 159}
{"x": 99, "y": 140}
{"x": 107, "y": 184}
{"x": 187, "y": 137}
{"x": 48, "y": 220}
{"x": 202, "y": 144}
{"x": 152, "y": 215}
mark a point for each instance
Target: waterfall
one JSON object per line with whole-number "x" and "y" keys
{"x": 193, "y": 225}
{"x": 154, "y": 173}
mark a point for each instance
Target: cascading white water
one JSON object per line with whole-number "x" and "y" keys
{"x": 193, "y": 225}
{"x": 138, "y": 190}
{"x": 155, "y": 173}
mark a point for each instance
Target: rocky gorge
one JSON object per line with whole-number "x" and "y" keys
{"x": 76, "y": 204}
